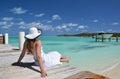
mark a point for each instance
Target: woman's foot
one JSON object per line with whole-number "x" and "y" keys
{"x": 64, "y": 59}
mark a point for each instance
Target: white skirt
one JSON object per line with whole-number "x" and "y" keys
{"x": 50, "y": 59}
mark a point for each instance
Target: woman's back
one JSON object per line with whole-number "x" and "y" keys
{"x": 50, "y": 59}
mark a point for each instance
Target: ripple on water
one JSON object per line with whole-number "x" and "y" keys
{"x": 54, "y": 44}
{"x": 85, "y": 47}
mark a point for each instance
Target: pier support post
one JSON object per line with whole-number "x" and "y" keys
{"x": 96, "y": 39}
{"x": 109, "y": 39}
{"x": 102, "y": 38}
{"x": 116, "y": 38}
{"x": 21, "y": 40}
{"x": 6, "y": 38}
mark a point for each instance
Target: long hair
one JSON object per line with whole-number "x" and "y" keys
{"x": 30, "y": 45}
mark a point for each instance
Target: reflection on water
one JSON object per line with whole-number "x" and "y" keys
{"x": 85, "y": 47}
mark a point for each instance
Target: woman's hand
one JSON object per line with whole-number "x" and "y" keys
{"x": 43, "y": 74}
{"x": 15, "y": 63}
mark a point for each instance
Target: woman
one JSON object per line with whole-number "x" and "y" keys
{"x": 34, "y": 46}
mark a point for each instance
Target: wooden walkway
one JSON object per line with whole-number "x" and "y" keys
{"x": 27, "y": 70}
{"x": 8, "y": 48}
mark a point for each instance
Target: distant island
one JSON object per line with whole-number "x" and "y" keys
{"x": 90, "y": 34}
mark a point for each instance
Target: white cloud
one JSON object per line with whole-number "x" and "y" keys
{"x": 18, "y": 10}
{"x": 49, "y": 21}
{"x": 24, "y": 25}
{"x": 7, "y": 18}
{"x": 35, "y": 24}
{"x": 95, "y": 20}
{"x": 3, "y": 23}
{"x": 81, "y": 27}
{"x": 63, "y": 26}
{"x": 72, "y": 24}
{"x": 39, "y": 15}
{"x": 58, "y": 27}
{"x": 56, "y": 17}
{"x": 40, "y": 25}
{"x": 47, "y": 27}
{"x": 115, "y": 23}
{"x": 21, "y": 23}
{"x": 66, "y": 27}
{"x": 6, "y": 24}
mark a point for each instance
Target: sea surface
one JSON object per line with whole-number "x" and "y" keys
{"x": 84, "y": 52}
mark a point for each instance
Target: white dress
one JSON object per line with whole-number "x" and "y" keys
{"x": 49, "y": 59}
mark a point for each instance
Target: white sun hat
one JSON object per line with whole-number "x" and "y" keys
{"x": 33, "y": 33}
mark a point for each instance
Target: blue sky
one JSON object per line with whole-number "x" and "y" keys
{"x": 56, "y": 17}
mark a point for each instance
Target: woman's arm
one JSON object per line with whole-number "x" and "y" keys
{"x": 22, "y": 53}
{"x": 39, "y": 58}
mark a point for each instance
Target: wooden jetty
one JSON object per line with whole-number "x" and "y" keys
{"x": 102, "y": 37}
{"x": 27, "y": 70}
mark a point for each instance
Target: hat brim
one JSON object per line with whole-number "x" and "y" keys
{"x": 32, "y": 36}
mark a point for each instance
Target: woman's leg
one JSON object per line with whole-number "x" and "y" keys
{"x": 64, "y": 59}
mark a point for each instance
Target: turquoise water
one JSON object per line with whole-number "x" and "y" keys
{"x": 84, "y": 52}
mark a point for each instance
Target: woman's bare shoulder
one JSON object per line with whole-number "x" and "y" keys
{"x": 38, "y": 42}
